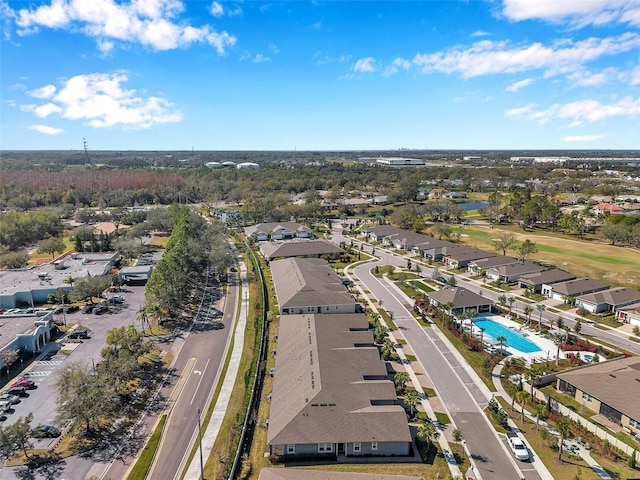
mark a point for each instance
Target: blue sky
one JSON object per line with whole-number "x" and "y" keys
{"x": 324, "y": 75}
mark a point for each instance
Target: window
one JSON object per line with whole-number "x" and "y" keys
{"x": 587, "y": 397}
{"x": 291, "y": 448}
{"x": 325, "y": 447}
{"x": 374, "y": 445}
{"x": 357, "y": 447}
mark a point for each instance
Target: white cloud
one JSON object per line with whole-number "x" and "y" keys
{"x": 100, "y": 100}
{"x": 577, "y": 13}
{"x": 635, "y": 76}
{"x": 586, "y": 78}
{"x": 317, "y": 26}
{"x": 152, "y": 23}
{"x": 480, "y": 33}
{"x": 583, "y": 138}
{"x": 260, "y": 58}
{"x": 366, "y": 64}
{"x": 515, "y": 86}
{"x": 274, "y": 48}
{"x": 216, "y": 9}
{"x": 323, "y": 59}
{"x": 493, "y": 57}
{"x": 396, "y": 65}
{"x": 43, "y": 92}
{"x": 46, "y": 129}
{"x": 518, "y": 111}
{"x": 580, "y": 112}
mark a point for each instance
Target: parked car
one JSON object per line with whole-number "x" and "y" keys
{"x": 8, "y": 397}
{"x": 5, "y": 406}
{"x": 26, "y": 383}
{"x": 17, "y": 390}
{"x": 79, "y": 334}
{"x": 518, "y": 447}
{"x": 116, "y": 299}
{"x": 99, "y": 310}
{"x": 88, "y": 307}
{"x": 45, "y": 431}
{"x": 71, "y": 308}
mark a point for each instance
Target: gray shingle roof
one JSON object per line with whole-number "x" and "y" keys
{"x": 577, "y": 287}
{"x": 301, "y": 282}
{"x": 548, "y": 277}
{"x": 459, "y": 297}
{"x": 496, "y": 261}
{"x": 516, "y": 268}
{"x": 616, "y": 383}
{"x": 322, "y": 390}
{"x": 274, "y": 226}
{"x": 613, "y": 296}
{"x": 272, "y": 250}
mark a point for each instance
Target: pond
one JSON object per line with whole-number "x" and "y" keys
{"x": 473, "y": 205}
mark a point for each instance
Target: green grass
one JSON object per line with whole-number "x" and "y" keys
{"x": 424, "y": 287}
{"x": 411, "y": 358}
{"x": 442, "y": 418}
{"x": 139, "y": 471}
{"x": 429, "y": 392}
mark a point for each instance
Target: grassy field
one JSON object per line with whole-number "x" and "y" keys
{"x": 615, "y": 265}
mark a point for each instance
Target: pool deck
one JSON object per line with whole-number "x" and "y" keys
{"x": 547, "y": 347}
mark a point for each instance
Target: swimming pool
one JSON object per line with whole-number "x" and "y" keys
{"x": 514, "y": 340}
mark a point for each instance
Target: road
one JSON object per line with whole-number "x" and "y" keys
{"x": 458, "y": 392}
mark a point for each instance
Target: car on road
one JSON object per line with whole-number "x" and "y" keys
{"x": 26, "y": 383}
{"x": 45, "y": 431}
{"x": 9, "y": 397}
{"x": 517, "y": 446}
{"x": 79, "y": 334}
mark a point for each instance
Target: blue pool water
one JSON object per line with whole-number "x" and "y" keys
{"x": 514, "y": 340}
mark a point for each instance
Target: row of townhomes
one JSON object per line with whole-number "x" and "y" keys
{"x": 332, "y": 397}
{"x": 589, "y": 294}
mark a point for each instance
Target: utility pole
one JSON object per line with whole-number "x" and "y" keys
{"x": 200, "y": 441}
{"x": 86, "y": 150}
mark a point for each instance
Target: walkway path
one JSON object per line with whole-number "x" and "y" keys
{"x": 576, "y": 448}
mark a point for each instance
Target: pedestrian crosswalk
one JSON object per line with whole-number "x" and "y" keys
{"x": 35, "y": 373}
{"x": 52, "y": 363}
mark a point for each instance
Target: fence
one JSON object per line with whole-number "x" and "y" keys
{"x": 588, "y": 424}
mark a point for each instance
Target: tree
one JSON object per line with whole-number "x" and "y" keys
{"x": 82, "y": 396}
{"x": 636, "y": 330}
{"x": 428, "y": 432}
{"x": 528, "y": 310}
{"x": 88, "y": 287}
{"x": 400, "y": 380}
{"x": 380, "y": 333}
{"x": 563, "y": 428}
{"x": 411, "y": 399}
{"x": 51, "y": 245}
{"x": 501, "y": 339}
{"x": 504, "y": 242}
{"x": 16, "y": 435}
{"x": 578, "y": 326}
{"x": 9, "y": 356}
{"x": 408, "y": 217}
{"x": 558, "y": 340}
{"x": 527, "y": 248}
{"x": 539, "y": 409}
{"x": 388, "y": 349}
{"x": 631, "y": 463}
{"x": 511, "y": 301}
{"x": 457, "y": 435}
{"x": 502, "y": 300}
{"x": 541, "y": 308}
{"x": 522, "y": 397}
{"x": 440, "y": 230}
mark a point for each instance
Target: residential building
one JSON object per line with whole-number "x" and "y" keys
{"x": 480, "y": 265}
{"x": 513, "y": 271}
{"x": 534, "y": 281}
{"x": 608, "y": 300}
{"x": 460, "y": 300}
{"x": 310, "y": 285}
{"x": 629, "y": 314}
{"x": 610, "y": 208}
{"x": 610, "y": 389}
{"x": 461, "y": 258}
{"x": 379, "y": 233}
{"x": 277, "y": 231}
{"x": 573, "y": 288}
{"x": 331, "y": 394}
{"x": 304, "y": 248}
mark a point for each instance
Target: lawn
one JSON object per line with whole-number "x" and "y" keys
{"x": 612, "y": 264}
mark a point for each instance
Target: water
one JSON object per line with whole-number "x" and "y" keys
{"x": 473, "y": 205}
{"x": 514, "y": 340}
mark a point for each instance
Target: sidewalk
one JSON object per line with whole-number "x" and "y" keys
{"x": 584, "y": 453}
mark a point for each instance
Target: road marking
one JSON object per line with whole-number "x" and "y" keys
{"x": 50, "y": 362}
{"x": 44, "y": 373}
{"x": 201, "y": 377}
{"x": 197, "y": 372}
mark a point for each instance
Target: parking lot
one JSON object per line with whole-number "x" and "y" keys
{"x": 40, "y": 401}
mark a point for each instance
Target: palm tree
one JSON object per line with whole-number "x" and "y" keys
{"x": 388, "y": 349}
{"x": 400, "y": 380}
{"x": 539, "y": 408}
{"x": 411, "y": 399}
{"x": 141, "y": 316}
{"x": 428, "y": 432}
{"x": 563, "y": 428}
{"x": 501, "y": 339}
{"x": 482, "y": 337}
{"x": 502, "y": 300}
{"x": 522, "y": 397}
{"x": 511, "y": 301}
{"x": 540, "y": 308}
{"x": 528, "y": 310}
{"x": 155, "y": 312}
